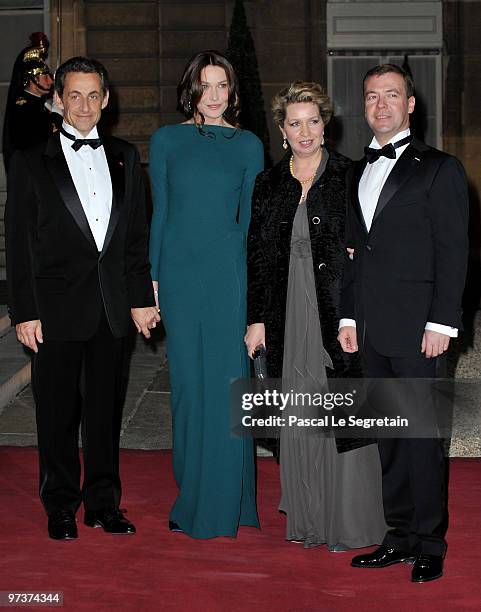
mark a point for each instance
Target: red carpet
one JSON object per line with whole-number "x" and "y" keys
{"x": 157, "y": 570}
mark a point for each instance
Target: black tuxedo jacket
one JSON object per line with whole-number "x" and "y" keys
{"x": 410, "y": 268}
{"x": 54, "y": 270}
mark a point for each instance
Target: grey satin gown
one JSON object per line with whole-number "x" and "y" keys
{"x": 329, "y": 498}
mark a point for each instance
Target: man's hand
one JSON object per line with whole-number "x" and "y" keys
{"x": 434, "y": 343}
{"x": 256, "y": 335}
{"x": 29, "y": 333}
{"x": 145, "y": 319}
{"x": 347, "y": 338}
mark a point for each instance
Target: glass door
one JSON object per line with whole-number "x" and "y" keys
{"x": 349, "y": 131}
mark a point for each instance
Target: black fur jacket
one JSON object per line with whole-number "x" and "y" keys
{"x": 275, "y": 200}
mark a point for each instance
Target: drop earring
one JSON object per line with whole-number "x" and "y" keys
{"x": 285, "y": 146}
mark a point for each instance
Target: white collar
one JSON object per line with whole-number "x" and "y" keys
{"x": 399, "y": 136}
{"x": 30, "y": 93}
{"x": 71, "y": 130}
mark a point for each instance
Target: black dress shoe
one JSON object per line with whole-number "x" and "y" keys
{"x": 175, "y": 528}
{"x": 427, "y": 567}
{"x": 62, "y": 525}
{"x": 382, "y": 557}
{"x": 112, "y": 520}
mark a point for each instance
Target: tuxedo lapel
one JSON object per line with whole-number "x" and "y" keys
{"x": 116, "y": 164}
{"x": 403, "y": 169}
{"x": 58, "y": 169}
{"x": 357, "y": 174}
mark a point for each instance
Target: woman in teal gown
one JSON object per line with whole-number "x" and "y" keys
{"x": 202, "y": 173}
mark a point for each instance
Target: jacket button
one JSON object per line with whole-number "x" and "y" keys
{"x": 316, "y": 220}
{"x": 368, "y": 247}
{"x": 321, "y": 265}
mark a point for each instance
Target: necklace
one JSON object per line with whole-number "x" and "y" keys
{"x": 291, "y": 168}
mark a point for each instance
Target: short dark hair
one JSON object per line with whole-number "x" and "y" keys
{"x": 80, "y": 64}
{"x": 189, "y": 89}
{"x": 384, "y": 69}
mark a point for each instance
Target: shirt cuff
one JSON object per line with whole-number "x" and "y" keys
{"x": 452, "y": 332}
{"x": 346, "y": 323}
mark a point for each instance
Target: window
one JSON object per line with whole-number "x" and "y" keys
{"x": 345, "y": 73}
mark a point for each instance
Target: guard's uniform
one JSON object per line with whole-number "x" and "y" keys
{"x": 27, "y": 120}
{"x": 28, "y": 123}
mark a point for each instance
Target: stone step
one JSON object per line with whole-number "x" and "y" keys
{"x": 14, "y": 367}
{"x": 2, "y": 215}
{"x": 3, "y": 178}
{"x": 4, "y": 320}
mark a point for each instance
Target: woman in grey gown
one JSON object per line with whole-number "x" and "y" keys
{"x": 296, "y": 253}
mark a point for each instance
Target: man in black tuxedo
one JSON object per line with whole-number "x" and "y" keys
{"x": 78, "y": 271}
{"x": 401, "y": 302}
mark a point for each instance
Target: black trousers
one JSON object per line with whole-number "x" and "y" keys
{"x": 414, "y": 484}
{"x": 60, "y": 409}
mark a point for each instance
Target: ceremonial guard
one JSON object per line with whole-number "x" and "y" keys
{"x": 28, "y": 120}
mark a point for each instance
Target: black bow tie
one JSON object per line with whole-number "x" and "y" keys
{"x": 95, "y": 143}
{"x": 388, "y": 150}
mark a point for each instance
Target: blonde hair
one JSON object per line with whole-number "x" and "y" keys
{"x": 301, "y": 91}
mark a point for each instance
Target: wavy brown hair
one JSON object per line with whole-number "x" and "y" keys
{"x": 301, "y": 91}
{"x": 189, "y": 90}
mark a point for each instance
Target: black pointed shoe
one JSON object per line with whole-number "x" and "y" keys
{"x": 62, "y": 525}
{"x": 382, "y": 557}
{"x": 427, "y": 568}
{"x": 175, "y": 528}
{"x": 112, "y": 520}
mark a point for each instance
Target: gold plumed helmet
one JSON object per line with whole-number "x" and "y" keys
{"x": 33, "y": 60}
{"x": 38, "y": 48}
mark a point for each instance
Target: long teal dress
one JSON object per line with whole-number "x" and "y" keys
{"x": 202, "y": 187}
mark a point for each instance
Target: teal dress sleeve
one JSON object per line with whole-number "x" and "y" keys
{"x": 254, "y": 166}
{"x": 158, "y": 180}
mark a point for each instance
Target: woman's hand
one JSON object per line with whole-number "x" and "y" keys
{"x": 256, "y": 335}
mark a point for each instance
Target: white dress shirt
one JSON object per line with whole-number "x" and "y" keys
{"x": 91, "y": 176}
{"x": 370, "y": 187}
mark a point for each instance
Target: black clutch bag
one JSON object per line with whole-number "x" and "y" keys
{"x": 260, "y": 363}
